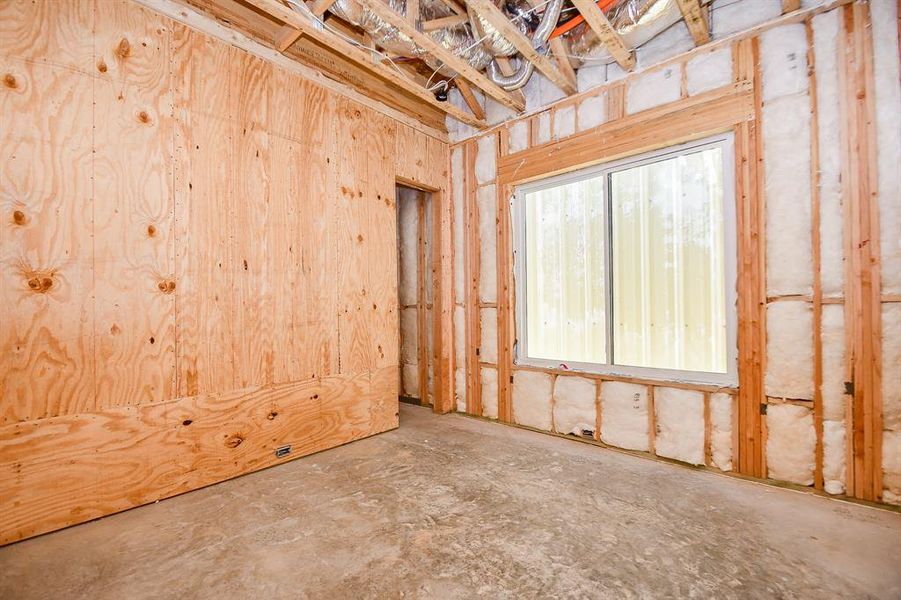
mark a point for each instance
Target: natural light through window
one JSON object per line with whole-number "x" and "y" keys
{"x": 625, "y": 265}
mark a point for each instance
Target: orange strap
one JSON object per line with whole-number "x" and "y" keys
{"x": 569, "y": 25}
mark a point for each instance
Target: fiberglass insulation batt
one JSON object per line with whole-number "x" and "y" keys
{"x": 789, "y": 350}
{"x": 532, "y": 399}
{"x": 489, "y": 392}
{"x": 721, "y": 431}
{"x": 624, "y": 415}
{"x": 680, "y": 424}
{"x": 487, "y": 202}
{"x": 790, "y": 443}
{"x": 574, "y": 405}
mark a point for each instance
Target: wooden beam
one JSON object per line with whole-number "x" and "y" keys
{"x": 320, "y": 6}
{"x": 286, "y": 37}
{"x": 564, "y": 63}
{"x": 412, "y": 12}
{"x": 422, "y": 328}
{"x": 601, "y": 26}
{"x": 863, "y": 311}
{"x": 471, "y": 101}
{"x": 451, "y": 21}
{"x": 458, "y": 64}
{"x": 696, "y": 19}
{"x": 790, "y": 6}
{"x": 491, "y": 13}
{"x": 361, "y": 57}
{"x": 471, "y": 270}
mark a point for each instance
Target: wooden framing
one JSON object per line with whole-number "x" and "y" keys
{"x": 471, "y": 281}
{"x": 817, "y": 292}
{"x": 862, "y": 275}
{"x": 422, "y": 330}
{"x": 443, "y": 22}
{"x": 696, "y": 19}
{"x": 360, "y": 56}
{"x": 458, "y": 64}
{"x": 286, "y": 37}
{"x": 790, "y": 6}
{"x": 601, "y": 26}
{"x": 491, "y": 13}
{"x": 471, "y": 101}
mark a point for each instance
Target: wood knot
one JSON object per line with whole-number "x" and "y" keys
{"x": 40, "y": 283}
{"x": 18, "y": 217}
{"x": 123, "y": 50}
{"x": 272, "y": 415}
{"x": 151, "y": 231}
{"x": 9, "y": 80}
{"x": 234, "y": 441}
{"x": 101, "y": 66}
{"x": 359, "y": 237}
{"x": 143, "y": 117}
{"x": 187, "y": 422}
{"x": 167, "y": 286}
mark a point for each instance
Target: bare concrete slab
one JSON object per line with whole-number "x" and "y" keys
{"x": 452, "y": 507}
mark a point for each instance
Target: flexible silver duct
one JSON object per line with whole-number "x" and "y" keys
{"x": 525, "y": 69}
{"x": 636, "y": 21}
{"x": 490, "y": 37}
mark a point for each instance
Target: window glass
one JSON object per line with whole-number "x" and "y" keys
{"x": 565, "y": 277}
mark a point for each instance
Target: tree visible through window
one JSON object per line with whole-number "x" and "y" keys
{"x": 625, "y": 265}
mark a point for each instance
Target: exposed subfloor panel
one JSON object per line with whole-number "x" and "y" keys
{"x": 455, "y": 507}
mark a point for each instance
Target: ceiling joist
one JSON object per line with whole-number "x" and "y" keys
{"x": 471, "y": 101}
{"x": 361, "y": 57}
{"x": 696, "y": 19}
{"x": 286, "y": 37}
{"x": 491, "y": 13}
{"x": 439, "y": 52}
{"x": 601, "y": 26}
{"x": 451, "y": 21}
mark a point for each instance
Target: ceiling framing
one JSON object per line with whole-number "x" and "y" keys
{"x": 346, "y": 54}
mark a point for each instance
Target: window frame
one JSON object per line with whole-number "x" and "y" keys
{"x": 725, "y": 142}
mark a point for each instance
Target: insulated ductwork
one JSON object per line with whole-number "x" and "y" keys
{"x": 525, "y": 69}
{"x": 636, "y": 21}
{"x": 490, "y": 37}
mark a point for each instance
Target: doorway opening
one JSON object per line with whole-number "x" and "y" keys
{"x": 417, "y": 285}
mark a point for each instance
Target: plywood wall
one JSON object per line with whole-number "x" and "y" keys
{"x": 197, "y": 262}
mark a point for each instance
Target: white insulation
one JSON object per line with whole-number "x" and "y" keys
{"x": 888, "y": 140}
{"x": 891, "y": 466}
{"x": 786, "y": 150}
{"x": 592, "y": 111}
{"x": 891, "y": 366}
{"x": 409, "y": 377}
{"x": 789, "y": 350}
{"x": 408, "y": 235}
{"x": 790, "y": 443}
{"x": 654, "y": 88}
{"x": 709, "y": 70}
{"x": 487, "y": 202}
{"x": 488, "y": 344}
{"x": 544, "y": 127}
{"x": 721, "y": 431}
{"x": 409, "y": 338}
{"x": 825, "y": 34}
{"x": 624, "y": 415}
{"x": 460, "y": 389}
{"x": 518, "y": 137}
{"x": 680, "y": 424}
{"x": 532, "y": 399}
{"x": 834, "y": 457}
{"x": 783, "y": 61}
{"x": 489, "y": 392}
{"x": 729, "y": 16}
{"x": 575, "y": 411}
{"x": 833, "y": 340}
{"x": 459, "y": 336}
{"x": 564, "y": 122}
{"x": 486, "y": 159}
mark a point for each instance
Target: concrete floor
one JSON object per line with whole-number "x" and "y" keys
{"x": 452, "y": 507}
